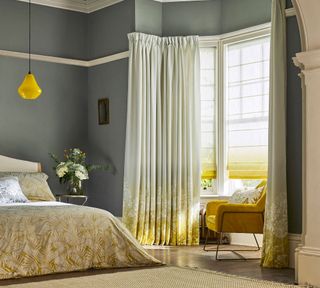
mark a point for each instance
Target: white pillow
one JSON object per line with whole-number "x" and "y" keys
{"x": 10, "y": 191}
{"x": 246, "y": 196}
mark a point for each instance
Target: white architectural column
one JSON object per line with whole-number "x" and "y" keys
{"x": 308, "y": 254}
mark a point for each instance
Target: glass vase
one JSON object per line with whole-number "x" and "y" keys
{"x": 75, "y": 188}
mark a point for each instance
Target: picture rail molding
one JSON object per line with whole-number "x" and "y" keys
{"x": 122, "y": 55}
{"x": 65, "y": 61}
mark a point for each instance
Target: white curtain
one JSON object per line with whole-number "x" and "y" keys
{"x": 275, "y": 242}
{"x": 162, "y": 156}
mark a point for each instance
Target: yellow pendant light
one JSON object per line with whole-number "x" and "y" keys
{"x": 29, "y": 89}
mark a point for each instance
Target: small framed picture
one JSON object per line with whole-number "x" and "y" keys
{"x": 103, "y": 111}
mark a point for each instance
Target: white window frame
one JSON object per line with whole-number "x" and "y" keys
{"x": 220, "y": 42}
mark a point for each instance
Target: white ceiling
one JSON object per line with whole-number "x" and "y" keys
{"x": 87, "y": 6}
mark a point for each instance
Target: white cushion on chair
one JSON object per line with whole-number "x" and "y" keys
{"x": 246, "y": 196}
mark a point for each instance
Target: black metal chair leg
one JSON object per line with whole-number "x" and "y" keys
{"x": 257, "y": 243}
{"x": 205, "y": 243}
{"x": 218, "y": 245}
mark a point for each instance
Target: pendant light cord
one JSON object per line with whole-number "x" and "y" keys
{"x": 29, "y": 36}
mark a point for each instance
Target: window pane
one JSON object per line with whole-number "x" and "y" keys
{"x": 247, "y": 104}
{"x": 250, "y": 52}
{"x": 207, "y": 77}
{"x": 206, "y": 110}
{"x": 208, "y": 121}
{"x": 207, "y": 92}
{"x": 207, "y": 60}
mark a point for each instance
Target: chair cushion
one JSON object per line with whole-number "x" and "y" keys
{"x": 246, "y": 196}
{"x": 211, "y": 222}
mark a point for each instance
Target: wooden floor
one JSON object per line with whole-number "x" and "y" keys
{"x": 195, "y": 257}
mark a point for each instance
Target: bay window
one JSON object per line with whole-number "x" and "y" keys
{"x": 234, "y": 112}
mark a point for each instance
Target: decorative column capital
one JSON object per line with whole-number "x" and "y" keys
{"x": 308, "y": 60}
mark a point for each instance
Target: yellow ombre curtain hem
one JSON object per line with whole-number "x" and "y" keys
{"x": 275, "y": 251}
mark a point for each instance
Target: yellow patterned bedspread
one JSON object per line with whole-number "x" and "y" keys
{"x": 47, "y": 237}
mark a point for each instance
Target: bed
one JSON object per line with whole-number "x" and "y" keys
{"x": 44, "y": 237}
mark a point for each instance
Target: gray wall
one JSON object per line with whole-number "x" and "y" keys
{"x": 107, "y": 31}
{"x": 148, "y": 16}
{"x": 213, "y": 17}
{"x": 55, "y": 32}
{"x": 192, "y": 18}
{"x": 107, "y": 142}
{"x": 294, "y": 130}
{"x": 58, "y": 119}
{"x": 245, "y": 13}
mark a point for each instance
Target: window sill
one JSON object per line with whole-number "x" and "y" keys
{"x": 204, "y": 199}
{"x": 214, "y": 196}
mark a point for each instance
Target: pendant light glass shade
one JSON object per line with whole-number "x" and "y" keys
{"x": 29, "y": 89}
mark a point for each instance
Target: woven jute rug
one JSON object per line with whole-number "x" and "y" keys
{"x": 161, "y": 277}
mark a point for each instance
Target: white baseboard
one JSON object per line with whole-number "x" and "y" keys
{"x": 248, "y": 240}
{"x": 294, "y": 242}
{"x": 308, "y": 263}
{"x": 245, "y": 239}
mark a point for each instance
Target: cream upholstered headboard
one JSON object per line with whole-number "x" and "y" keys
{"x": 8, "y": 164}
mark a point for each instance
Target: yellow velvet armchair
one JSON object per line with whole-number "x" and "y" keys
{"x": 223, "y": 217}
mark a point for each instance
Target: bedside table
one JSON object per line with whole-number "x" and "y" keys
{"x": 69, "y": 199}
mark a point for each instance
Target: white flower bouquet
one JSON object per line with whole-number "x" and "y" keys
{"x": 74, "y": 169}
